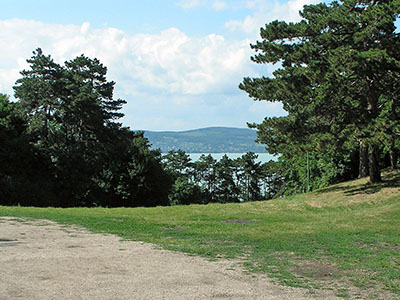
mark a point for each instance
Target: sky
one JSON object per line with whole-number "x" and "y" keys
{"x": 177, "y": 63}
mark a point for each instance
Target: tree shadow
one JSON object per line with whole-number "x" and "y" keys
{"x": 389, "y": 180}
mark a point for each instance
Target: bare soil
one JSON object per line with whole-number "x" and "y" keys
{"x": 45, "y": 260}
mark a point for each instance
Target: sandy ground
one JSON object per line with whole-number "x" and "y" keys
{"x": 45, "y": 260}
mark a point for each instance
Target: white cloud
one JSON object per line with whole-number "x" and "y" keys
{"x": 219, "y": 5}
{"x": 166, "y": 63}
{"x": 169, "y": 74}
{"x": 173, "y": 63}
{"x": 188, "y": 4}
{"x": 265, "y": 11}
{"x": 170, "y": 80}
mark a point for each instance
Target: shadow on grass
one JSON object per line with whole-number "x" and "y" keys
{"x": 389, "y": 180}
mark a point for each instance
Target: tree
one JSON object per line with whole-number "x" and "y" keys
{"x": 272, "y": 179}
{"x": 69, "y": 111}
{"x": 307, "y": 159}
{"x": 205, "y": 169}
{"x": 71, "y": 115}
{"x": 248, "y": 176}
{"x": 25, "y": 173}
{"x": 226, "y": 189}
{"x": 177, "y": 163}
{"x": 185, "y": 192}
{"x": 337, "y": 74}
{"x": 132, "y": 174}
{"x": 38, "y": 92}
{"x": 86, "y": 121}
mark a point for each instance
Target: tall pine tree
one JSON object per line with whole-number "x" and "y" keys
{"x": 338, "y": 74}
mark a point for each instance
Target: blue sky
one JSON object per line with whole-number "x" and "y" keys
{"x": 177, "y": 63}
{"x": 131, "y": 16}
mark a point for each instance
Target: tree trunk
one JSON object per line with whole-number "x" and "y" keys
{"x": 363, "y": 170}
{"x": 393, "y": 156}
{"x": 374, "y": 170}
{"x": 373, "y": 96}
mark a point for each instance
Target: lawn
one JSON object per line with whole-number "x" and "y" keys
{"x": 345, "y": 237}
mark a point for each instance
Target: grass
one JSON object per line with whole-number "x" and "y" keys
{"x": 345, "y": 237}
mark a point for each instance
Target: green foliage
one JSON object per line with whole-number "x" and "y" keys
{"x": 177, "y": 163}
{"x": 248, "y": 174}
{"x": 338, "y": 82}
{"x": 227, "y": 189}
{"x": 24, "y": 171}
{"x": 204, "y": 170}
{"x": 186, "y": 192}
{"x": 69, "y": 126}
{"x": 223, "y": 181}
{"x": 132, "y": 174}
{"x": 6, "y": 108}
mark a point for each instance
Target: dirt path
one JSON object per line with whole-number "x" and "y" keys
{"x": 45, "y": 260}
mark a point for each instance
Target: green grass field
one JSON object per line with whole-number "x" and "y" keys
{"x": 345, "y": 237}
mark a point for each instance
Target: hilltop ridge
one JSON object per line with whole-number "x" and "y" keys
{"x": 207, "y": 140}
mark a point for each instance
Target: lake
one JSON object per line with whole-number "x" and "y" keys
{"x": 262, "y": 157}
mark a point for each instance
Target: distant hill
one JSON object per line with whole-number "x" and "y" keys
{"x": 206, "y": 140}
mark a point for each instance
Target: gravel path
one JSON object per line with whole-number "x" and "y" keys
{"x": 44, "y": 260}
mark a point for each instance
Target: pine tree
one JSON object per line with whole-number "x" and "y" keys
{"x": 338, "y": 71}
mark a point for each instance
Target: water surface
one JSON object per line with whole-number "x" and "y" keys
{"x": 262, "y": 157}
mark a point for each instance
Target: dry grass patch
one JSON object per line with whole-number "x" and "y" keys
{"x": 317, "y": 270}
{"x": 355, "y": 192}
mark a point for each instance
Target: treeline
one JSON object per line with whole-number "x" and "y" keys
{"x": 227, "y": 180}
{"x": 60, "y": 144}
{"x": 339, "y": 82}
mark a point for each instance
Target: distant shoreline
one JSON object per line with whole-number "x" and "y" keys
{"x": 262, "y": 157}
{"x": 206, "y": 140}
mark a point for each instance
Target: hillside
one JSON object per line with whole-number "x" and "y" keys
{"x": 344, "y": 238}
{"x": 206, "y": 140}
